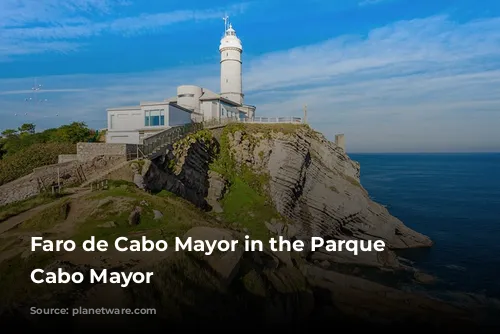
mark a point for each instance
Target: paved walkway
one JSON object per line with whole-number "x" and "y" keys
{"x": 14, "y": 221}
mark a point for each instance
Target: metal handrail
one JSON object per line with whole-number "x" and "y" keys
{"x": 166, "y": 137}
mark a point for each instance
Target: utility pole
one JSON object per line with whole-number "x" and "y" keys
{"x": 305, "y": 114}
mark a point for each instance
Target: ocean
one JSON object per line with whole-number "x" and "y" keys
{"x": 452, "y": 198}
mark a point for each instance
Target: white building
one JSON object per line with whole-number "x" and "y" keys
{"x": 131, "y": 125}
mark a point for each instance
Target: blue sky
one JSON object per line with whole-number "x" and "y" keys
{"x": 392, "y": 75}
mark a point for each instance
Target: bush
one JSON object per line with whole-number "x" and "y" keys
{"x": 23, "y": 162}
{"x": 14, "y": 141}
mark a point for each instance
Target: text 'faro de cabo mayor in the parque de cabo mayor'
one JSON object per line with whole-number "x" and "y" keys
{"x": 207, "y": 247}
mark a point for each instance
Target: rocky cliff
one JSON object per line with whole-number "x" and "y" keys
{"x": 255, "y": 180}
{"x": 312, "y": 184}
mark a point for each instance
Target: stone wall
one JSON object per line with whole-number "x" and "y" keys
{"x": 88, "y": 151}
{"x": 68, "y": 173}
{"x": 67, "y": 158}
{"x": 18, "y": 190}
{"x": 91, "y": 160}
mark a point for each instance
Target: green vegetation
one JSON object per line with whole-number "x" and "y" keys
{"x": 245, "y": 206}
{"x": 13, "y": 141}
{"x": 203, "y": 136}
{"x": 15, "y": 282}
{"x": 115, "y": 205}
{"x": 254, "y": 283}
{"x": 23, "y": 149}
{"x": 37, "y": 155}
{"x": 266, "y": 129}
{"x": 333, "y": 188}
{"x": 225, "y": 163}
{"x": 352, "y": 181}
{"x": 16, "y": 208}
{"x": 49, "y": 217}
{"x": 138, "y": 163}
{"x": 181, "y": 147}
{"x": 247, "y": 201}
{"x": 104, "y": 214}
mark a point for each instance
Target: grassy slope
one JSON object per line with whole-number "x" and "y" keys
{"x": 100, "y": 207}
{"x": 247, "y": 201}
{"x": 13, "y": 209}
{"x": 23, "y": 162}
{"x": 246, "y": 207}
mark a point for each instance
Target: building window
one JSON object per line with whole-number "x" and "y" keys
{"x": 111, "y": 121}
{"x": 154, "y": 117}
{"x": 226, "y": 80}
{"x": 185, "y": 95}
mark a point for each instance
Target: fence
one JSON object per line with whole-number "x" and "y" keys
{"x": 99, "y": 185}
{"x": 273, "y": 120}
{"x": 153, "y": 144}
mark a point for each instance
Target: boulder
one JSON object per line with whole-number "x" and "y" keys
{"x": 226, "y": 264}
{"x": 158, "y": 215}
{"x": 135, "y": 216}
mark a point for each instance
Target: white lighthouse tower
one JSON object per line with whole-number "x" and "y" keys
{"x": 230, "y": 65}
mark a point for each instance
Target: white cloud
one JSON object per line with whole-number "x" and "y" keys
{"x": 33, "y": 26}
{"x": 421, "y": 85}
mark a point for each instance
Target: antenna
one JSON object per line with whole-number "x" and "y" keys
{"x": 226, "y": 20}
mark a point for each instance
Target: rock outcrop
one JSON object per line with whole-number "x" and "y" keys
{"x": 182, "y": 170}
{"x": 244, "y": 287}
{"x": 312, "y": 183}
{"x": 317, "y": 186}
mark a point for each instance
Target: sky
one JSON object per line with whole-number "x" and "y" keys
{"x": 392, "y": 75}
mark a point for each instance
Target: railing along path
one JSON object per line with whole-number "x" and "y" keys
{"x": 152, "y": 145}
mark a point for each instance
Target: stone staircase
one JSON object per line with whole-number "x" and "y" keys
{"x": 102, "y": 176}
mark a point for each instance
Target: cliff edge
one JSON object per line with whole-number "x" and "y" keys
{"x": 311, "y": 183}
{"x": 243, "y": 179}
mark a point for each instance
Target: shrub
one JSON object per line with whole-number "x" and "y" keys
{"x": 37, "y": 155}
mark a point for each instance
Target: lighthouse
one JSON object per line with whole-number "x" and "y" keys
{"x": 231, "y": 80}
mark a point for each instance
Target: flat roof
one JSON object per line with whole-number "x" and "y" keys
{"x": 124, "y": 108}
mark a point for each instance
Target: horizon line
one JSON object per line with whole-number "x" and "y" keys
{"x": 433, "y": 152}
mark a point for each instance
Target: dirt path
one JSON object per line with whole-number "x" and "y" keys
{"x": 14, "y": 221}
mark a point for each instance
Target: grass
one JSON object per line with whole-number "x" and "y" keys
{"x": 139, "y": 163}
{"x": 352, "y": 181}
{"x": 178, "y": 215}
{"x": 242, "y": 204}
{"x": 254, "y": 283}
{"x": 333, "y": 188}
{"x": 247, "y": 201}
{"x": 266, "y": 129}
{"x": 15, "y": 282}
{"x": 48, "y": 217}
{"x": 16, "y": 208}
{"x": 115, "y": 205}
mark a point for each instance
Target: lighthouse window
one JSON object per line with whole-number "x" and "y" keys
{"x": 227, "y": 54}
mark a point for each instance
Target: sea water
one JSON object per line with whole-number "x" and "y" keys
{"x": 452, "y": 198}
